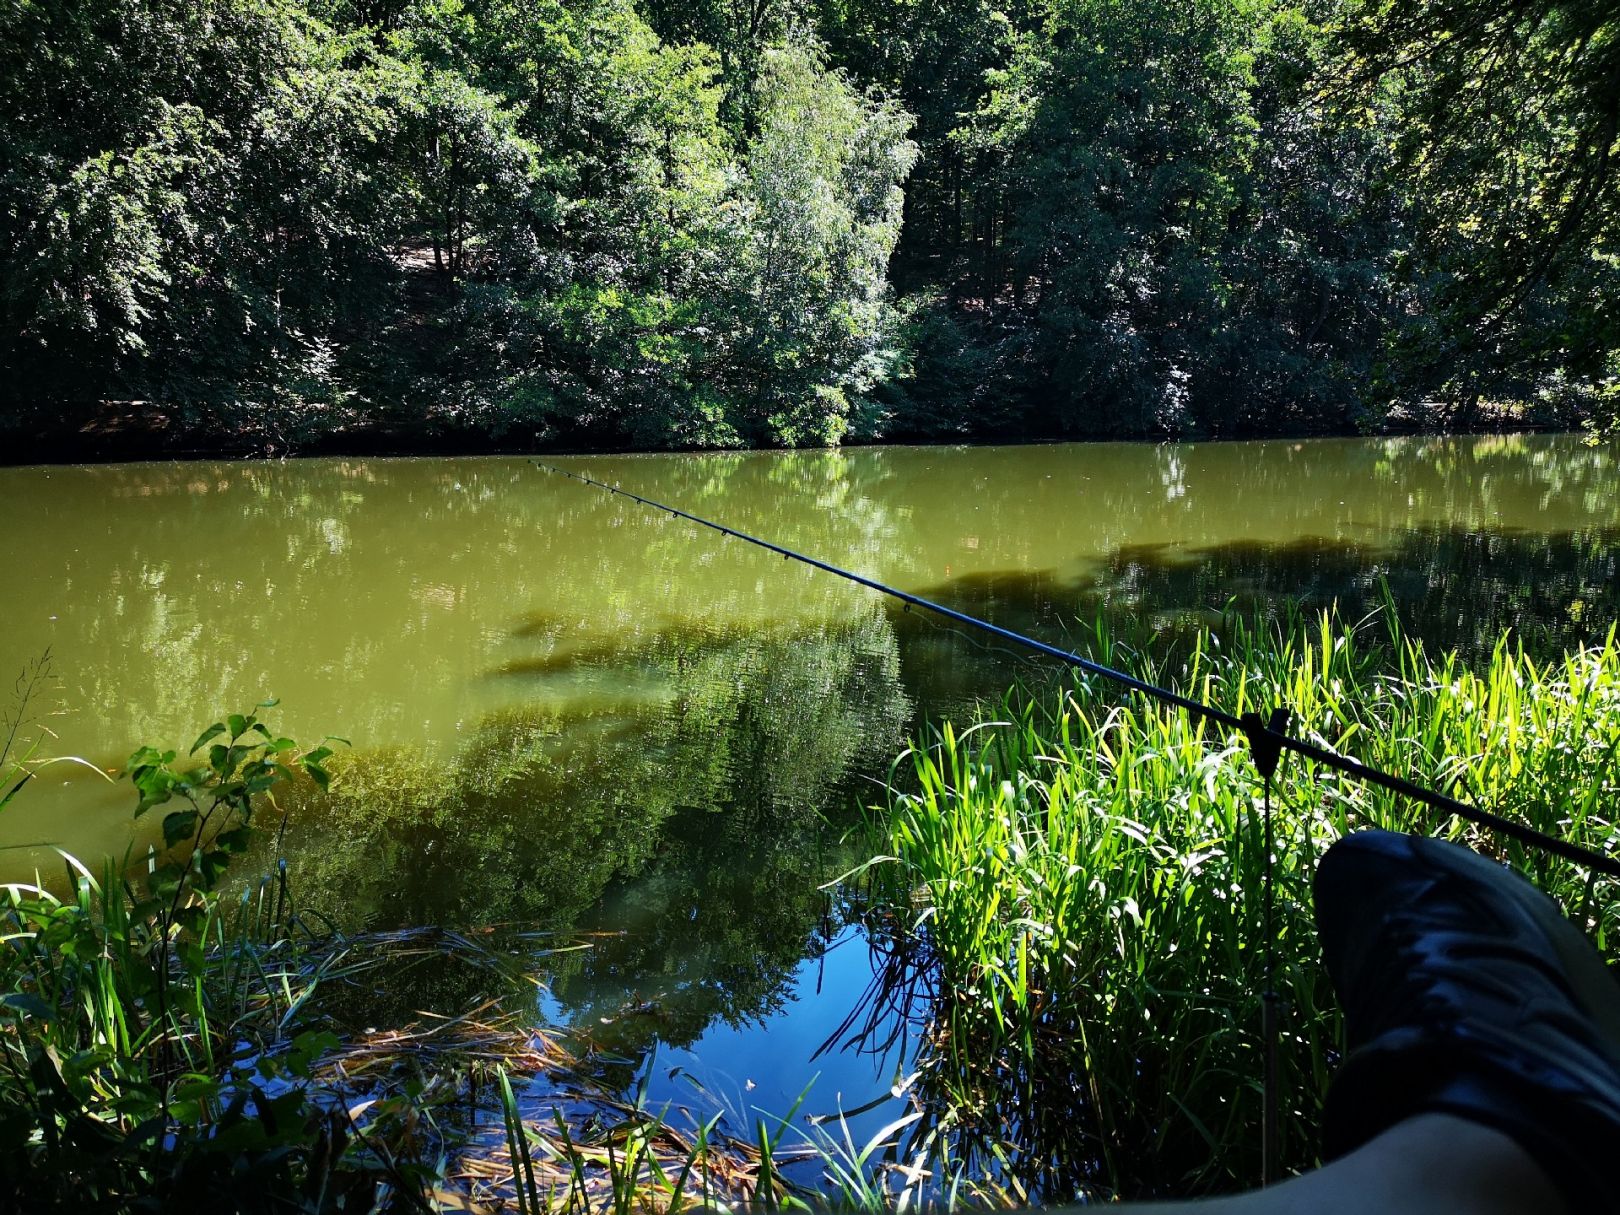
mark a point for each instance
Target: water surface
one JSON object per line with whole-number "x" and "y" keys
{"x": 573, "y": 713}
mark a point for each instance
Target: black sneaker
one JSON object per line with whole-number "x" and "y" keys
{"x": 1466, "y": 992}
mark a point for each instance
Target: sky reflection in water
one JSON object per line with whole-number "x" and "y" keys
{"x": 576, "y": 714}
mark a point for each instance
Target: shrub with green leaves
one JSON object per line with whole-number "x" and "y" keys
{"x": 153, "y": 1051}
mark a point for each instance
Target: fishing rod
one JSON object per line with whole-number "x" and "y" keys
{"x": 1268, "y": 738}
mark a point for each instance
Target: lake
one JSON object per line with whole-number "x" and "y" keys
{"x": 574, "y": 714}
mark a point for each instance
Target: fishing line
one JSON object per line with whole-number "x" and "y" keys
{"x": 1267, "y": 738}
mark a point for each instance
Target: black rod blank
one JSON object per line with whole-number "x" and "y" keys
{"x": 1262, "y": 737}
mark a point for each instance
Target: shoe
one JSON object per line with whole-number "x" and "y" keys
{"x": 1466, "y": 992}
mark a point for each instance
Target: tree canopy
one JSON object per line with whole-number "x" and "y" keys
{"x": 751, "y": 222}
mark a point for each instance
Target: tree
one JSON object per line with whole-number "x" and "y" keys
{"x": 1509, "y": 141}
{"x": 475, "y": 172}
{"x": 190, "y": 208}
{"x": 694, "y": 292}
{"x": 823, "y": 192}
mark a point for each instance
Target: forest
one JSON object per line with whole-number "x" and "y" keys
{"x": 278, "y": 225}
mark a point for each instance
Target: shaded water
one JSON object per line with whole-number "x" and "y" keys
{"x": 573, "y": 713}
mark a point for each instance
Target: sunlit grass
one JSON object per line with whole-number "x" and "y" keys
{"x": 1082, "y": 877}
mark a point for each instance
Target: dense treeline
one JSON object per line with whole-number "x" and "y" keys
{"x": 680, "y": 223}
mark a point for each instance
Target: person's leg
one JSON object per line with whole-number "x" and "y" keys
{"x": 1467, "y": 993}
{"x": 1482, "y": 1071}
{"x": 1433, "y": 1164}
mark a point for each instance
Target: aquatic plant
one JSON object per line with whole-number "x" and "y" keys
{"x": 151, "y": 1044}
{"x": 1076, "y": 887}
{"x": 629, "y": 1156}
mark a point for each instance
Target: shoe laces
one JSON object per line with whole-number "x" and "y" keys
{"x": 1401, "y": 986}
{"x": 1433, "y": 955}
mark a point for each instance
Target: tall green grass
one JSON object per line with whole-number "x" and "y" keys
{"x": 1081, "y": 877}
{"x": 153, "y": 1051}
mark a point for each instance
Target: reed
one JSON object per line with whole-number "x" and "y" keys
{"x": 1079, "y": 878}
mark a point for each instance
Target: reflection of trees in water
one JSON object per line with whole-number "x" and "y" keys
{"x": 1451, "y": 587}
{"x": 697, "y": 811}
{"x": 1489, "y": 468}
{"x": 711, "y": 931}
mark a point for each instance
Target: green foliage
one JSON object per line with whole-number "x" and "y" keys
{"x": 1509, "y": 127}
{"x": 193, "y": 210}
{"x": 736, "y": 295}
{"x": 824, "y": 178}
{"x": 1229, "y": 219}
{"x": 658, "y": 225}
{"x": 1088, "y": 873}
{"x": 152, "y": 1048}
{"x": 1185, "y": 240}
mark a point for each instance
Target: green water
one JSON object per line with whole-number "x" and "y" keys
{"x": 573, "y": 714}
{"x": 461, "y": 615}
